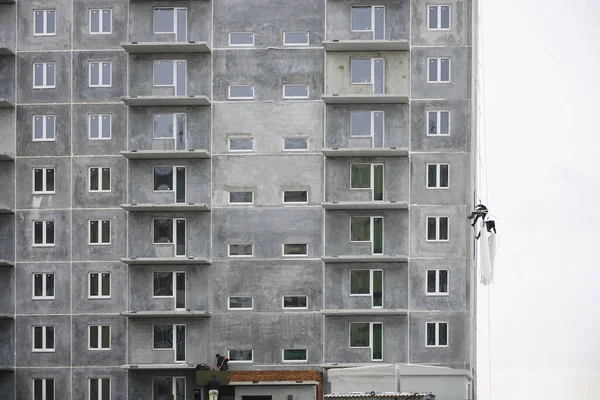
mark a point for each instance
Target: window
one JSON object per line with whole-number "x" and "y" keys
{"x": 43, "y": 233}
{"x": 99, "y": 285}
{"x": 169, "y": 387}
{"x": 295, "y": 196}
{"x": 295, "y": 39}
{"x": 44, "y": 75}
{"x": 241, "y": 197}
{"x": 171, "y": 73}
{"x": 99, "y": 337}
{"x": 437, "y": 282}
{"x": 100, "y": 21}
{"x": 44, "y": 128}
{"x": 437, "y": 229}
{"x": 240, "y": 355}
{"x": 169, "y": 284}
{"x": 43, "y": 338}
{"x": 368, "y": 123}
{"x": 171, "y": 20}
{"x": 168, "y": 337}
{"x": 100, "y": 74}
{"x": 99, "y": 179}
{"x": 438, "y": 17}
{"x": 437, "y": 334}
{"x": 170, "y": 231}
{"x": 100, "y": 126}
{"x": 368, "y": 229}
{"x": 369, "y": 19}
{"x": 240, "y": 250}
{"x": 241, "y": 92}
{"x": 295, "y": 249}
{"x": 367, "y": 282}
{"x": 43, "y": 286}
{"x": 99, "y": 232}
{"x": 370, "y": 335}
{"x": 295, "y": 91}
{"x": 295, "y": 302}
{"x": 438, "y": 176}
{"x": 439, "y": 70}
{"x": 171, "y": 179}
{"x": 44, "y": 22}
{"x": 166, "y": 125}
{"x": 294, "y": 355}
{"x": 43, "y": 180}
{"x": 438, "y": 123}
{"x": 295, "y": 143}
{"x": 241, "y": 144}
{"x": 241, "y": 39}
{"x": 240, "y": 303}
{"x": 369, "y": 71}
{"x": 368, "y": 176}
{"x": 43, "y": 389}
{"x": 99, "y": 388}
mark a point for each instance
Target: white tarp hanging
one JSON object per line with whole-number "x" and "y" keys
{"x": 488, "y": 246}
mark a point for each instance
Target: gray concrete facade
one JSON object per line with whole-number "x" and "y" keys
{"x": 93, "y": 250}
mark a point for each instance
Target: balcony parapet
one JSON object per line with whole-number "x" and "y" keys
{"x": 366, "y": 205}
{"x": 366, "y": 45}
{"x": 365, "y": 259}
{"x": 165, "y": 154}
{"x": 166, "y": 261}
{"x": 183, "y": 207}
{"x": 165, "y": 47}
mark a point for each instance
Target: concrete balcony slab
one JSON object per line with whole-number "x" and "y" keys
{"x": 167, "y": 101}
{"x": 7, "y": 316}
{"x": 366, "y": 152}
{"x": 366, "y": 205}
{"x": 369, "y": 311}
{"x": 6, "y": 104}
{"x": 340, "y": 98}
{"x": 366, "y": 45}
{"x": 365, "y": 259}
{"x": 179, "y": 366}
{"x": 166, "y": 207}
{"x": 6, "y": 157}
{"x": 165, "y": 154}
{"x": 6, "y": 263}
{"x": 6, "y": 51}
{"x": 166, "y": 261}
{"x": 161, "y": 314}
{"x": 6, "y": 210}
{"x": 165, "y": 47}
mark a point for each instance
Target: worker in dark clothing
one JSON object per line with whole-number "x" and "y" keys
{"x": 213, "y": 388}
{"x": 198, "y": 393}
{"x": 222, "y": 362}
{"x": 481, "y": 211}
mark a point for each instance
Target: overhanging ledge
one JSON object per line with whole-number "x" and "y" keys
{"x": 165, "y": 314}
{"x": 366, "y": 152}
{"x": 165, "y": 154}
{"x": 365, "y": 259}
{"x": 364, "y": 312}
{"x": 364, "y": 99}
{"x": 366, "y": 45}
{"x": 166, "y": 207}
{"x": 165, "y": 47}
{"x": 166, "y": 261}
{"x": 150, "y": 101}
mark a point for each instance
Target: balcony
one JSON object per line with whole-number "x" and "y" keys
{"x": 366, "y": 152}
{"x": 365, "y": 312}
{"x": 365, "y": 205}
{"x": 6, "y": 263}
{"x": 6, "y": 51}
{"x": 165, "y": 154}
{"x": 366, "y": 45}
{"x": 166, "y": 101}
{"x": 165, "y": 47}
{"x": 183, "y": 207}
{"x": 166, "y": 261}
{"x": 343, "y": 259}
{"x": 364, "y": 99}
{"x": 6, "y": 104}
{"x": 157, "y": 367}
{"x": 166, "y": 313}
{"x": 6, "y": 210}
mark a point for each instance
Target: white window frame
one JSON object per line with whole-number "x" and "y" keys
{"x": 437, "y": 291}
{"x": 371, "y": 281}
{"x": 44, "y": 393}
{"x": 240, "y": 361}
{"x": 44, "y": 181}
{"x": 240, "y": 204}
{"x": 99, "y": 333}
{"x": 44, "y": 234}
{"x": 101, "y": 65}
{"x": 173, "y": 177}
{"x": 371, "y": 230}
{"x": 242, "y": 45}
{"x": 294, "y": 361}
{"x": 175, "y": 118}
{"x": 45, "y": 348}
{"x": 45, "y": 119}
{"x": 174, "y": 234}
{"x": 437, "y": 228}
{"x": 238, "y": 255}
{"x": 297, "y": 44}
{"x": 44, "y": 296}
{"x": 296, "y": 97}
{"x": 173, "y": 347}
{"x": 372, "y": 123}
{"x": 295, "y": 137}
{"x": 294, "y": 202}
{"x": 242, "y": 308}
{"x": 439, "y": 17}
{"x": 100, "y": 118}
{"x": 173, "y": 383}
{"x": 173, "y": 286}
{"x": 175, "y": 9}
{"x": 439, "y": 69}
{"x": 100, "y": 21}
{"x": 100, "y": 287}
{"x": 437, "y": 333}
{"x": 100, "y": 188}
{"x": 283, "y": 254}
{"x": 251, "y": 138}
{"x": 283, "y": 307}
{"x": 44, "y": 84}
{"x": 437, "y": 176}
{"x": 372, "y": 81}
{"x": 370, "y": 346}
{"x": 45, "y": 25}
{"x": 438, "y": 119}
{"x": 99, "y": 388}
{"x": 372, "y": 178}
{"x": 176, "y": 83}
{"x": 240, "y": 98}
{"x": 372, "y": 6}
{"x": 101, "y": 241}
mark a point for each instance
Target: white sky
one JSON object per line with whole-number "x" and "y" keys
{"x": 541, "y": 64}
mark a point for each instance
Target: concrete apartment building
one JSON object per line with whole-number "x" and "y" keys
{"x": 283, "y": 182}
